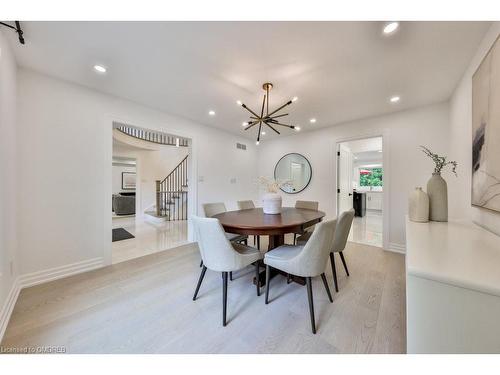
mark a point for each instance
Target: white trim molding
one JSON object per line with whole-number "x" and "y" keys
{"x": 8, "y": 307}
{"x": 40, "y": 277}
{"x": 396, "y": 248}
{"x": 55, "y": 273}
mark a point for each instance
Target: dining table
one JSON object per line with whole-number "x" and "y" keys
{"x": 254, "y": 221}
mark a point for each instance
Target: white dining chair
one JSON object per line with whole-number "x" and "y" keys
{"x": 221, "y": 255}
{"x": 212, "y": 209}
{"x": 339, "y": 242}
{"x": 307, "y": 205}
{"x": 306, "y": 261}
{"x": 248, "y": 205}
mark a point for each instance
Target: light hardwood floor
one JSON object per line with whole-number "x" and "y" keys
{"x": 145, "y": 306}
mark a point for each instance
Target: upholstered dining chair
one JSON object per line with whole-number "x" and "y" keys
{"x": 307, "y": 205}
{"x": 212, "y": 209}
{"x": 247, "y": 205}
{"x": 339, "y": 242}
{"x": 307, "y": 261}
{"x": 221, "y": 255}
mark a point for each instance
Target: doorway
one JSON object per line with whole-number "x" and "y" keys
{"x": 360, "y": 185}
{"x": 150, "y": 200}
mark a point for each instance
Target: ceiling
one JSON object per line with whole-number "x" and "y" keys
{"x": 339, "y": 70}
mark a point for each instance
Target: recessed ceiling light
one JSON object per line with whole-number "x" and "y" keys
{"x": 395, "y": 99}
{"x": 211, "y": 113}
{"x": 294, "y": 99}
{"x": 297, "y": 128}
{"x": 263, "y": 133}
{"x": 100, "y": 69}
{"x": 390, "y": 27}
{"x": 312, "y": 121}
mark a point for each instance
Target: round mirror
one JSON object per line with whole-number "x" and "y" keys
{"x": 294, "y": 169}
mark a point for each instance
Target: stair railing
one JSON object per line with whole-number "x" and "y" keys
{"x": 171, "y": 193}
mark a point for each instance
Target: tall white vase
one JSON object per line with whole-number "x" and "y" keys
{"x": 271, "y": 203}
{"x": 437, "y": 189}
{"x": 418, "y": 209}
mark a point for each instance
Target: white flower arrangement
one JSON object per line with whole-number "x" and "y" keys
{"x": 271, "y": 185}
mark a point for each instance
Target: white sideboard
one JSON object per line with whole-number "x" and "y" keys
{"x": 452, "y": 288}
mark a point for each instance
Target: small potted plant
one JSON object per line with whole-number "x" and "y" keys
{"x": 437, "y": 189}
{"x": 271, "y": 201}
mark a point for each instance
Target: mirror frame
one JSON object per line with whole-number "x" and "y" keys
{"x": 310, "y": 176}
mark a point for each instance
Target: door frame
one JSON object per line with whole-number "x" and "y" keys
{"x": 192, "y": 171}
{"x": 386, "y": 213}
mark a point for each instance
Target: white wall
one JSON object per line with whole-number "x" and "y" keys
{"x": 408, "y": 167}
{"x": 64, "y": 204}
{"x": 8, "y": 71}
{"x": 461, "y": 140}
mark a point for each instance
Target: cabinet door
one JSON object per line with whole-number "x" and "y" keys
{"x": 374, "y": 201}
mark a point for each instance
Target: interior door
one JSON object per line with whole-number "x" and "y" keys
{"x": 344, "y": 179}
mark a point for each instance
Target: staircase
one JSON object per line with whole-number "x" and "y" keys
{"x": 172, "y": 195}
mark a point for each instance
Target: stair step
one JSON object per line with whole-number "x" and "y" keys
{"x": 153, "y": 213}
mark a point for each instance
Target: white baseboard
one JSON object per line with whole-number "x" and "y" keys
{"x": 55, "y": 273}
{"x": 8, "y": 307}
{"x": 40, "y": 277}
{"x": 397, "y": 248}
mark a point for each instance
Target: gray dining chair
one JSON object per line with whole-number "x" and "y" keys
{"x": 307, "y": 205}
{"x": 248, "y": 205}
{"x": 212, "y": 209}
{"x": 339, "y": 242}
{"x": 307, "y": 261}
{"x": 221, "y": 255}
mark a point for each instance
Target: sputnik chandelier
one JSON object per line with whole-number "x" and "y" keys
{"x": 267, "y": 118}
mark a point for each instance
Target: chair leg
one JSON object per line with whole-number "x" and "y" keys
{"x": 334, "y": 272}
{"x": 201, "y": 263}
{"x": 245, "y": 242}
{"x": 311, "y": 305}
{"x": 295, "y": 238}
{"x": 343, "y": 261}
{"x": 202, "y": 275}
{"x": 231, "y": 276}
{"x": 325, "y": 283}
{"x": 224, "y": 297}
{"x": 257, "y": 282}
{"x": 267, "y": 283}
{"x": 258, "y": 242}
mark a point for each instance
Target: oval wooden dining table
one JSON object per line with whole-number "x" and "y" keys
{"x": 255, "y": 222}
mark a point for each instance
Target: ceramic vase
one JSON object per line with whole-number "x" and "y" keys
{"x": 271, "y": 203}
{"x": 437, "y": 190}
{"x": 418, "y": 209}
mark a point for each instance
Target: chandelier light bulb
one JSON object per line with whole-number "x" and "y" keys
{"x": 257, "y": 143}
{"x": 390, "y": 27}
{"x": 294, "y": 99}
{"x": 239, "y": 102}
{"x": 297, "y": 128}
{"x": 244, "y": 124}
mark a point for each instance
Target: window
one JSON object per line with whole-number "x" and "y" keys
{"x": 370, "y": 177}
